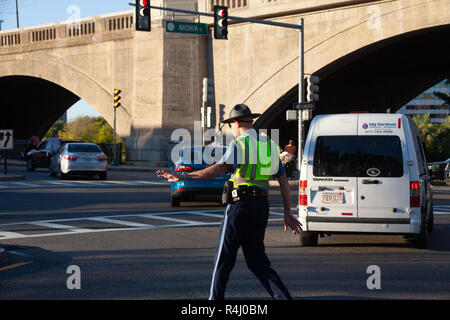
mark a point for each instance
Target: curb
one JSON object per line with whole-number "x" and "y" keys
{"x": 3, "y": 256}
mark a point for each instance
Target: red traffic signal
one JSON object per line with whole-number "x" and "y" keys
{"x": 220, "y": 22}
{"x": 143, "y": 19}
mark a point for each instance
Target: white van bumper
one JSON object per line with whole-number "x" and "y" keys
{"x": 360, "y": 225}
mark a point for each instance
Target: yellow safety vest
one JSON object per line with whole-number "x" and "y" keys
{"x": 257, "y": 159}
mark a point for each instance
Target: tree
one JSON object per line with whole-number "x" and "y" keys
{"x": 436, "y": 138}
{"x": 54, "y": 129}
{"x": 88, "y": 129}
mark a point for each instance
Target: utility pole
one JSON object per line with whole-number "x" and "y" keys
{"x": 116, "y": 104}
{"x": 301, "y": 92}
{"x": 17, "y": 13}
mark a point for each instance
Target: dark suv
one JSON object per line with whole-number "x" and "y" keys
{"x": 40, "y": 157}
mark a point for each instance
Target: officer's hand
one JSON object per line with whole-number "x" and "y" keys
{"x": 292, "y": 222}
{"x": 166, "y": 175}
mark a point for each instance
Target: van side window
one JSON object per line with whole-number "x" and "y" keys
{"x": 422, "y": 169}
{"x": 358, "y": 156}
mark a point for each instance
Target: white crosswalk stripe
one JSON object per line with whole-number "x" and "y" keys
{"x": 61, "y": 227}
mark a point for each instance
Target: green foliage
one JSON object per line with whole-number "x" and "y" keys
{"x": 54, "y": 129}
{"x": 436, "y": 138}
{"x": 94, "y": 130}
{"x": 88, "y": 129}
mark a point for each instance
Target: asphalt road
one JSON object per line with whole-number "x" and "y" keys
{"x": 126, "y": 242}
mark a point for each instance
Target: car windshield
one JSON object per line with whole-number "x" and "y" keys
{"x": 202, "y": 155}
{"x": 358, "y": 156}
{"x": 83, "y": 148}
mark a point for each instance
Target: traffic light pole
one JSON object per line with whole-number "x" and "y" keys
{"x": 301, "y": 85}
{"x": 301, "y": 92}
{"x": 198, "y": 13}
{"x": 114, "y": 162}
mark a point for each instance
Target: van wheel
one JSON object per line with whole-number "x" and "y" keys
{"x": 51, "y": 171}
{"x": 308, "y": 239}
{"x": 30, "y": 166}
{"x": 430, "y": 224}
{"x": 174, "y": 201}
{"x": 421, "y": 240}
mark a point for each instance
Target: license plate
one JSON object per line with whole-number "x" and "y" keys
{"x": 333, "y": 197}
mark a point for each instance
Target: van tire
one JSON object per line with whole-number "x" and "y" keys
{"x": 421, "y": 240}
{"x": 308, "y": 239}
{"x": 430, "y": 224}
{"x": 174, "y": 201}
{"x": 30, "y": 166}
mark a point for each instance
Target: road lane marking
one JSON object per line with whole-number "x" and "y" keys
{"x": 24, "y": 184}
{"x": 125, "y": 223}
{"x": 16, "y": 265}
{"x": 9, "y": 234}
{"x": 156, "y": 216}
{"x": 60, "y": 226}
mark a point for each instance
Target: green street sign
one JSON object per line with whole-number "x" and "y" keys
{"x": 186, "y": 27}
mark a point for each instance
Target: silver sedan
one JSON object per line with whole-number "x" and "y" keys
{"x": 80, "y": 159}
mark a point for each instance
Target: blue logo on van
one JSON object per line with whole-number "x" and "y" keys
{"x": 365, "y": 126}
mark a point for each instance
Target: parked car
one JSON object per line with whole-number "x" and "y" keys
{"x": 80, "y": 159}
{"x": 190, "y": 160}
{"x": 437, "y": 169}
{"x": 40, "y": 157}
{"x": 364, "y": 173}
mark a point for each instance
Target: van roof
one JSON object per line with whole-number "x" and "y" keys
{"x": 359, "y": 123}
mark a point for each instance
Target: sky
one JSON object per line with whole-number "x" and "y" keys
{"x": 37, "y": 12}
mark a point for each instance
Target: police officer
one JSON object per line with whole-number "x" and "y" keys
{"x": 253, "y": 158}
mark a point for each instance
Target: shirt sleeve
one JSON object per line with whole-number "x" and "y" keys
{"x": 230, "y": 156}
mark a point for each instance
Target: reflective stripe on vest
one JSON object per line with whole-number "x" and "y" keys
{"x": 256, "y": 159}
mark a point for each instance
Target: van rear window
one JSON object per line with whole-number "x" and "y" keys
{"x": 358, "y": 156}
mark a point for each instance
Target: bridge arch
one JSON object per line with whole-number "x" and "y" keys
{"x": 45, "y": 87}
{"x": 388, "y": 58}
{"x": 356, "y": 28}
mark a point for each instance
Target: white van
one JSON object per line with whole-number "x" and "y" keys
{"x": 364, "y": 173}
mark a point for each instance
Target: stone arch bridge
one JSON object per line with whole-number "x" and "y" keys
{"x": 370, "y": 55}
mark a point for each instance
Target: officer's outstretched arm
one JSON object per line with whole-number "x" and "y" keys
{"x": 205, "y": 174}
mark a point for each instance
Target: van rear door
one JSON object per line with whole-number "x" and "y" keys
{"x": 383, "y": 180}
{"x": 333, "y": 184}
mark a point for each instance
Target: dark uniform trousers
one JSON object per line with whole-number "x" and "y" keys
{"x": 244, "y": 224}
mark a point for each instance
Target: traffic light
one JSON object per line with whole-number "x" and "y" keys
{"x": 117, "y": 98}
{"x": 143, "y": 21}
{"x": 220, "y": 22}
{"x": 312, "y": 88}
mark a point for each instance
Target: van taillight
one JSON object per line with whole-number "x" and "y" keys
{"x": 302, "y": 197}
{"x": 182, "y": 168}
{"x": 414, "y": 201}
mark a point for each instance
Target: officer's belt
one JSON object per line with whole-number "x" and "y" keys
{"x": 246, "y": 193}
{"x": 260, "y": 183}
